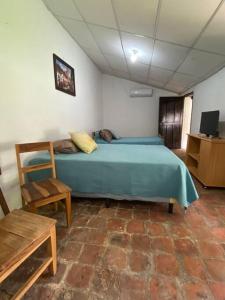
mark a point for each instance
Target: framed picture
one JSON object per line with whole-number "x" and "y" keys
{"x": 64, "y": 76}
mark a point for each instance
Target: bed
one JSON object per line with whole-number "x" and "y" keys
{"x": 132, "y": 172}
{"x": 150, "y": 140}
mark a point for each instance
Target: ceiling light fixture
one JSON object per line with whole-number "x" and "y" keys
{"x": 134, "y": 56}
{"x": 139, "y": 35}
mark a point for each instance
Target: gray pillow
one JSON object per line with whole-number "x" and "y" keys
{"x": 106, "y": 135}
{"x": 115, "y": 136}
{"x": 65, "y": 146}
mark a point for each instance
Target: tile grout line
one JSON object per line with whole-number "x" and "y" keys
{"x": 154, "y": 36}
{"x": 142, "y": 35}
{"x": 210, "y": 73}
{"x": 120, "y": 35}
{"x": 197, "y": 39}
{"x": 63, "y": 26}
{"x": 90, "y": 31}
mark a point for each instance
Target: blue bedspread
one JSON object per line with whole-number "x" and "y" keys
{"x": 150, "y": 140}
{"x": 135, "y": 170}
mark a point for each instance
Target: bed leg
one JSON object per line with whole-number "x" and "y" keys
{"x": 107, "y": 203}
{"x": 171, "y": 204}
{"x": 170, "y": 208}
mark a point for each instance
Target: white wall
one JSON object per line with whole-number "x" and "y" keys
{"x": 129, "y": 116}
{"x": 31, "y": 109}
{"x": 209, "y": 95}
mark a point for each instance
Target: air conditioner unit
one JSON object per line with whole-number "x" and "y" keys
{"x": 142, "y": 92}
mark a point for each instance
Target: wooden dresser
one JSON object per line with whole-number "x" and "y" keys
{"x": 205, "y": 159}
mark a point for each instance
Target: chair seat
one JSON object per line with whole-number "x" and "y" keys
{"x": 37, "y": 190}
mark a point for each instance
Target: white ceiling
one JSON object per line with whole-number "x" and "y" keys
{"x": 179, "y": 43}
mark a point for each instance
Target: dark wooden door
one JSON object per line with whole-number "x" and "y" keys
{"x": 171, "y": 120}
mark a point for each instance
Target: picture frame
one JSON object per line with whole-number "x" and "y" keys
{"x": 64, "y": 76}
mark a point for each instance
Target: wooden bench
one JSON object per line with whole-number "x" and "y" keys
{"x": 21, "y": 233}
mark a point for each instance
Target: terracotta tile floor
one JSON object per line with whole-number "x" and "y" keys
{"x": 134, "y": 250}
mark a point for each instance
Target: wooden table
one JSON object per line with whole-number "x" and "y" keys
{"x": 21, "y": 233}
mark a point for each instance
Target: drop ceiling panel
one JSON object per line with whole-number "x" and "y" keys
{"x": 182, "y": 21}
{"x": 116, "y": 62}
{"x": 213, "y": 38}
{"x": 200, "y": 63}
{"x": 105, "y": 69}
{"x": 168, "y": 56}
{"x": 98, "y": 12}
{"x": 107, "y": 39}
{"x": 65, "y": 8}
{"x": 143, "y": 45}
{"x": 155, "y": 83}
{"x": 80, "y": 32}
{"x": 175, "y": 88}
{"x": 119, "y": 73}
{"x": 161, "y": 75}
{"x": 138, "y": 78}
{"x": 180, "y": 82}
{"x": 136, "y": 16}
{"x": 139, "y": 70}
{"x": 97, "y": 58}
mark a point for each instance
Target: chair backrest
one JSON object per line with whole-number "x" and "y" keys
{"x": 3, "y": 203}
{"x": 34, "y": 147}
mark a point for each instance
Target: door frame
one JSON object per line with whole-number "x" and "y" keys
{"x": 190, "y": 94}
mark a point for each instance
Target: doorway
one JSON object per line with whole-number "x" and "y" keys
{"x": 175, "y": 120}
{"x": 187, "y": 113}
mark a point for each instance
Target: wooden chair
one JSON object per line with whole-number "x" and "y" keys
{"x": 39, "y": 193}
{"x": 21, "y": 233}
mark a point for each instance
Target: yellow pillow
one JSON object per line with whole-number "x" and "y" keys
{"x": 83, "y": 141}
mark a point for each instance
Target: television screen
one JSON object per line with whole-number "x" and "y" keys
{"x": 210, "y": 122}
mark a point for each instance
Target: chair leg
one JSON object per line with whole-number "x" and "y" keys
{"x": 68, "y": 209}
{"x": 52, "y": 250}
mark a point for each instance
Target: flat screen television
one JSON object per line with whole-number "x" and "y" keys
{"x": 210, "y": 122}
